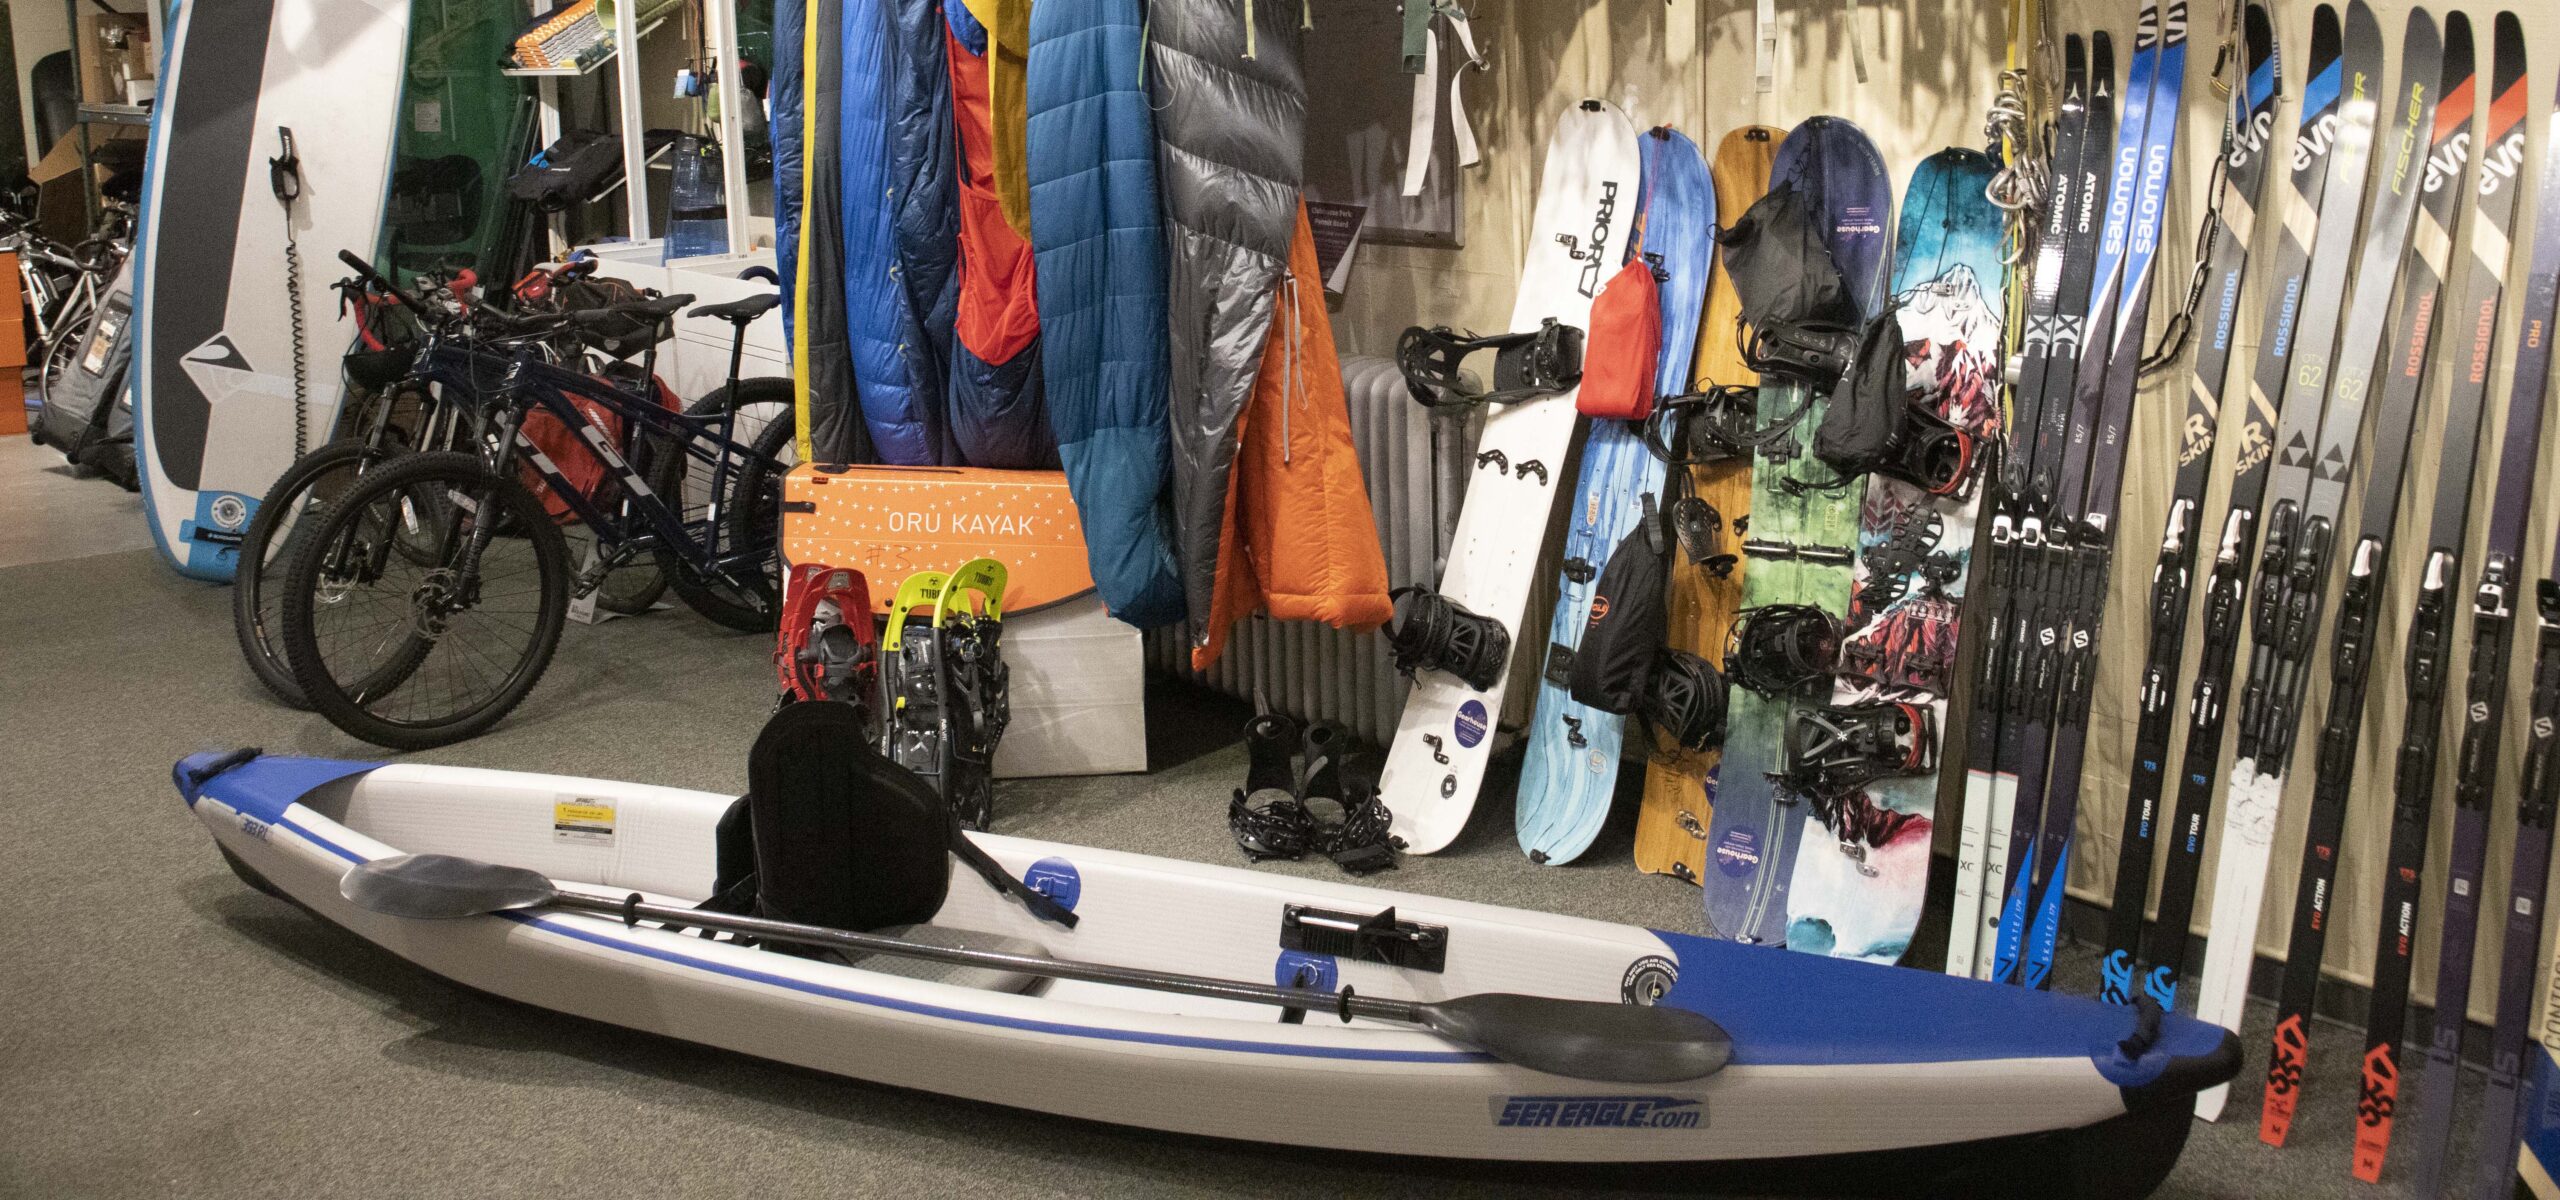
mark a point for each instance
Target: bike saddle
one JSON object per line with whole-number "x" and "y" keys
{"x": 615, "y": 315}
{"x": 740, "y": 312}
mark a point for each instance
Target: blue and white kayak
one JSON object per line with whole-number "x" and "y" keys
{"x": 2089, "y": 1099}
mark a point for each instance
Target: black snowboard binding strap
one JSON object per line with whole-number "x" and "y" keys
{"x": 1430, "y": 631}
{"x": 1686, "y": 700}
{"x": 1526, "y": 366}
{"x": 1780, "y": 649}
{"x": 1833, "y": 750}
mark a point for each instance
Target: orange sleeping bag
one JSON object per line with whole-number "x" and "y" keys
{"x": 1300, "y": 539}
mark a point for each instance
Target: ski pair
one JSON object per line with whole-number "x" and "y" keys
{"x": 2360, "y": 615}
{"x": 2315, "y": 452}
{"x": 2059, "y": 528}
{"x": 2484, "y": 712}
{"x": 2248, "y": 137}
{"x": 2330, "y": 149}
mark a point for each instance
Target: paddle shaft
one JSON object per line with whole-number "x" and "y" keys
{"x": 1344, "y": 1003}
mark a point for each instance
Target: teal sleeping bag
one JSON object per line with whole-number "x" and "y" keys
{"x": 1098, "y": 244}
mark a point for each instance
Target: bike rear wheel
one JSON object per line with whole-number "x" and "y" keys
{"x": 412, "y": 641}
{"x": 286, "y": 518}
{"x": 749, "y": 601}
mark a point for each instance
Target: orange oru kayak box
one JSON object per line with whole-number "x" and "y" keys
{"x": 891, "y": 522}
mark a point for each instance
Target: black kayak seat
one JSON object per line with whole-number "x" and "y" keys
{"x": 830, "y": 833}
{"x": 740, "y": 312}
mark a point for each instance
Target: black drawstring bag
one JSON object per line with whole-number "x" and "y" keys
{"x": 1803, "y": 323}
{"x": 1612, "y": 670}
{"x": 1877, "y": 423}
{"x": 1781, "y": 270}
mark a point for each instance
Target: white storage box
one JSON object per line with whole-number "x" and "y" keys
{"x": 1078, "y": 692}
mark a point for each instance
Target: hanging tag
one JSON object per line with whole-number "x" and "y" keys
{"x": 1764, "y": 17}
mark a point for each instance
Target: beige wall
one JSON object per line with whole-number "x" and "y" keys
{"x": 1932, "y": 70}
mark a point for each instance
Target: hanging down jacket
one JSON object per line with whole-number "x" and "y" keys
{"x": 993, "y": 397}
{"x": 1096, "y": 234}
{"x": 1230, "y": 108}
{"x": 1299, "y": 536}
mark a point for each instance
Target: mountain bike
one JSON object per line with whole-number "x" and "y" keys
{"x": 395, "y": 406}
{"x": 427, "y": 601}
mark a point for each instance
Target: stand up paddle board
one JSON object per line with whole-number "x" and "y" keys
{"x": 225, "y": 392}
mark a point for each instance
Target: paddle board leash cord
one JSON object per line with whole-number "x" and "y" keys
{"x": 284, "y": 175}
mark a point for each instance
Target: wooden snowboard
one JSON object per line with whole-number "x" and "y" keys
{"x": 1679, "y": 786}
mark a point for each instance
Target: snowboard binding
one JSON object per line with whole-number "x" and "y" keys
{"x": 1835, "y": 750}
{"x": 944, "y": 681}
{"x": 1686, "y": 700}
{"x": 1813, "y": 353}
{"x": 1430, "y": 631}
{"x": 829, "y": 650}
{"x": 1778, "y": 650}
{"x": 1908, "y": 557}
{"x": 1298, "y": 800}
{"x": 1526, "y": 366}
{"x": 1701, "y": 428}
{"x": 1931, "y": 454}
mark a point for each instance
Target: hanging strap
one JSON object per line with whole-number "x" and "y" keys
{"x": 1425, "y": 119}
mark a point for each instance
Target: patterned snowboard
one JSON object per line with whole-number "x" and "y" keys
{"x": 1800, "y": 543}
{"x": 1862, "y": 898}
{"x": 1679, "y": 786}
{"x": 1571, "y": 772}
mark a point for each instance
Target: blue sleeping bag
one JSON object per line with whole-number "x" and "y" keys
{"x": 782, "y": 99}
{"x": 1098, "y": 241}
{"x": 897, "y": 376}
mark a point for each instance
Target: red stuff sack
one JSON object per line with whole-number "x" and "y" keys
{"x": 1625, "y": 347}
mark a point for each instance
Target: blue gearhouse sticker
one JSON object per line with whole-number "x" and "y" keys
{"x": 1471, "y": 723}
{"x": 1648, "y": 980}
{"x": 1299, "y": 969}
{"x": 1056, "y": 878}
{"x": 1599, "y": 1112}
{"x": 1738, "y": 853}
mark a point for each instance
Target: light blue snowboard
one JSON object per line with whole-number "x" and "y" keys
{"x": 1572, "y": 769}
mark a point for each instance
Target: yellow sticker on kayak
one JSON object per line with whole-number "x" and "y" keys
{"x": 583, "y": 820}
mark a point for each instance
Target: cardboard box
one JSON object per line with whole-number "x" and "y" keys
{"x": 891, "y": 522}
{"x": 114, "y": 49}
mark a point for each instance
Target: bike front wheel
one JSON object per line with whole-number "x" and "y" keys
{"x": 426, "y": 603}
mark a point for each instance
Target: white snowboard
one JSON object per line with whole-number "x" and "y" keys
{"x": 1586, "y": 208}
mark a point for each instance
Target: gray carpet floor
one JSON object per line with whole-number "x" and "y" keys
{"x": 164, "y": 1031}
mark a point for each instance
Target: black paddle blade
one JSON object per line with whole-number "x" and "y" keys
{"x": 441, "y": 885}
{"x": 1586, "y": 1039}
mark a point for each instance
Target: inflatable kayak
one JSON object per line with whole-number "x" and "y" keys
{"x": 2093, "y": 1097}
